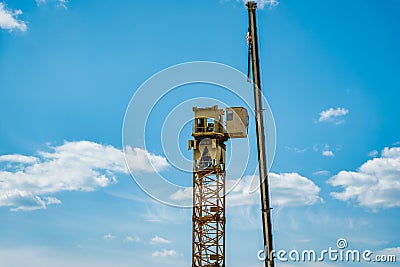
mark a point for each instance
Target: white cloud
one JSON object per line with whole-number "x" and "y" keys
{"x": 164, "y": 253}
{"x": 139, "y": 160}
{"x": 328, "y": 153}
{"x": 322, "y": 172}
{"x": 108, "y": 237}
{"x": 287, "y": 189}
{"x": 27, "y": 182}
{"x": 375, "y": 184}
{"x": 15, "y": 158}
{"x": 130, "y": 239}
{"x": 58, "y": 3}
{"x": 396, "y": 143}
{"x": 159, "y": 240}
{"x": 52, "y": 200}
{"x": 63, "y": 3}
{"x": 296, "y": 149}
{"x": 333, "y": 115}
{"x": 262, "y": 3}
{"x": 182, "y": 194}
{"x": 390, "y": 251}
{"x": 156, "y": 213}
{"x": 26, "y": 200}
{"x": 373, "y": 153}
{"x": 9, "y": 21}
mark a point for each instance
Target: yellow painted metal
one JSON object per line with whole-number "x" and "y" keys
{"x": 209, "y": 154}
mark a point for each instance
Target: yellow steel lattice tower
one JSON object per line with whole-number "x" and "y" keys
{"x": 209, "y": 151}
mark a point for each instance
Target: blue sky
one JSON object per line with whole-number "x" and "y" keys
{"x": 68, "y": 70}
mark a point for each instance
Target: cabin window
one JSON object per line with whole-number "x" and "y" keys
{"x": 210, "y": 125}
{"x": 229, "y": 115}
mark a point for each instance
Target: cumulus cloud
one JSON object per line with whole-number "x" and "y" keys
{"x": 140, "y": 160}
{"x": 182, "y": 194}
{"x": 108, "y": 237}
{"x": 164, "y": 253}
{"x": 328, "y": 153}
{"x": 375, "y": 184}
{"x": 130, "y": 239}
{"x": 28, "y": 182}
{"x": 373, "y": 153}
{"x": 15, "y": 158}
{"x": 326, "y": 150}
{"x": 287, "y": 189}
{"x": 333, "y": 115}
{"x": 159, "y": 240}
{"x": 26, "y": 200}
{"x": 9, "y": 19}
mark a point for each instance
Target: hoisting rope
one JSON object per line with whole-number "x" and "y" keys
{"x": 248, "y": 39}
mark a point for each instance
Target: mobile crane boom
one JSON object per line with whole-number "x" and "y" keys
{"x": 254, "y": 61}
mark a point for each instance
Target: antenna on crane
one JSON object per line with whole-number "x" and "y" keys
{"x": 254, "y": 61}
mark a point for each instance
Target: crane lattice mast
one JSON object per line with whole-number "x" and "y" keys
{"x": 209, "y": 172}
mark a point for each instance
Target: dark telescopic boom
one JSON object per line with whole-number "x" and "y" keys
{"x": 262, "y": 157}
